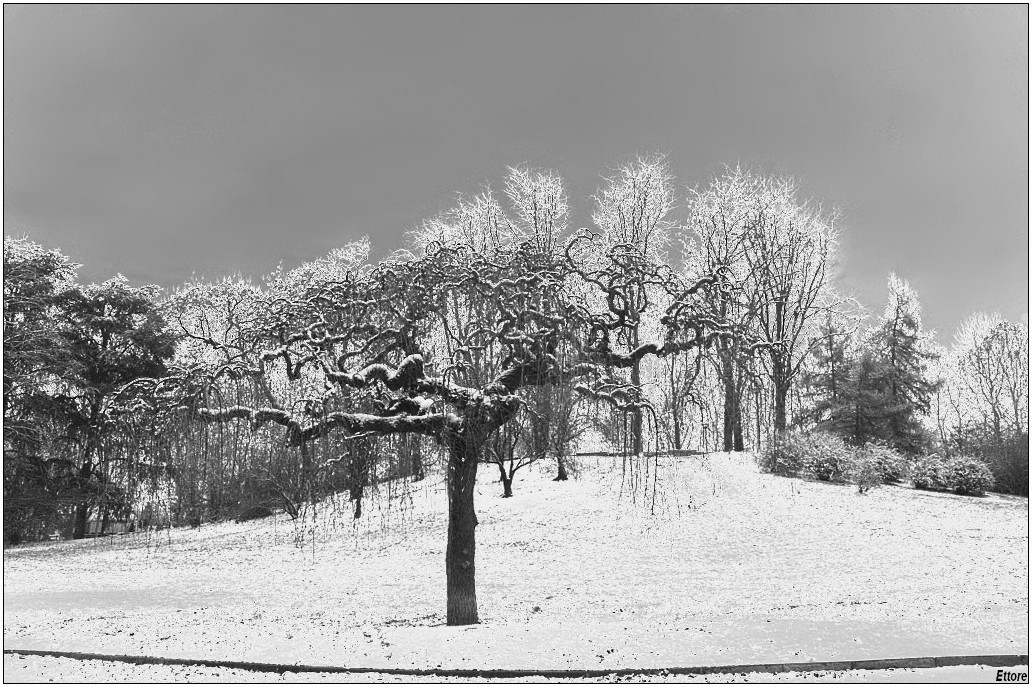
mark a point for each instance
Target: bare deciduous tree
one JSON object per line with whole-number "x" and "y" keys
{"x": 356, "y": 343}
{"x": 633, "y": 208}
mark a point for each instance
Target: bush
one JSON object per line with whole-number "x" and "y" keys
{"x": 967, "y": 476}
{"x": 876, "y": 464}
{"x": 827, "y": 457}
{"x": 892, "y": 466}
{"x": 928, "y": 473}
{"x": 962, "y": 475}
{"x": 865, "y": 470}
{"x": 1009, "y": 463}
{"x": 819, "y": 455}
{"x": 785, "y": 455}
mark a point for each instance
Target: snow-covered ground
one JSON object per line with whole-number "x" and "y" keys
{"x": 733, "y": 567}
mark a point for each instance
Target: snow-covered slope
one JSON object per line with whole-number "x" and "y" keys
{"x": 730, "y": 566}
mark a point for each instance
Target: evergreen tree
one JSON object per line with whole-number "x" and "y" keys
{"x": 906, "y": 351}
{"x": 36, "y": 480}
{"x": 887, "y": 386}
{"x": 114, "y": 334}
{"x": 827, "y": 377}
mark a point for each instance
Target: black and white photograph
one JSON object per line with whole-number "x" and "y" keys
{"x": 572, "y": 343}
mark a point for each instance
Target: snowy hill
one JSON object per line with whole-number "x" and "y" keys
{"x": 727, "y": 565}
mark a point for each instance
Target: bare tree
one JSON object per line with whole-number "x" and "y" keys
{"x": 633, "y": 208}
{"x": 339, "y": 344}
{"x": 541, "y": 207}
{"x": 993, "y": 367}
{"x": 790, "y": 248}
{"x": 713, "y": 241}
{"x": 780, "y": 251}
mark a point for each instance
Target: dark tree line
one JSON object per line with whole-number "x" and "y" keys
{"x": 67, "y": 350}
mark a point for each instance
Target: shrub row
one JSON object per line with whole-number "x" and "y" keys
{"x": 826, "y": 457}
{"x": 960, "y": 474}
{"x": 819, "y": 455}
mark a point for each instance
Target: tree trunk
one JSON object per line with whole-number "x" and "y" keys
{"x": 676, "y": 404}
{"x": 733, "y": 439}
{"x": 676, "y": 415}
{"x": 729, "y": 405}
{"x": 416, "y": 454}
{"x": 760, "y": 439}
{"x": 636, "y": 438}
{"x": 779, "y": 378}
{"x": 82, "y": 510}
{"x": 82, "y": 514}
{"x": 727, "y": 363}
{"x": 739, "y": 436}
{"x": 506, "y": 480}
{"x": 462, "y": 523}
{"x": 358, "y": 472}
{"x": 561, "y": 465}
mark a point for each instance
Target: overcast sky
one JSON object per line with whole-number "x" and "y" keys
{"x": 165, "y": 141}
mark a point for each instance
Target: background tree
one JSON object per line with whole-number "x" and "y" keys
{"x": 906, "y": 352}
{"x": 713, "y": 241}
{"x": 681, "y": 375}
{"x": 826, "y": 376}
{"x": 541, "y": 211}
{"x": 886, "y": 389}
{"x": 982, "y": 406}
{"x": 115, "y": 334}
{"x": 38, "y": 481}
{"x": 780, "y": 252}
{"x": 68, "y": 349}
{"x": 224, "y": 327}
{"x": 633, "y": 208}
{"x": 790, "y": 249}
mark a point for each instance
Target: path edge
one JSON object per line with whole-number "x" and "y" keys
{"x": 994, "y": 660}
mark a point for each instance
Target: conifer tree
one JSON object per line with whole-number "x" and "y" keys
{"x": 906, "y": 350}
{"x": 827, "y": 377}
{"x": 888, "y": 384}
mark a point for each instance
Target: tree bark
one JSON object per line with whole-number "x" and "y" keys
{"x": 729, "y": 404}
{"x": 733, "y": 439}
{"x": 415, "y": 448}
{"x": 82, "y": 510}
{"x": 561, "y": 465}
{"x": 462, "y": 523}
{"x": 676, "y": 404}
{"x": 636, "y": 438}
{"x": 82, "y": 513}
{"x": 739, "y": 435}
{"x": 780, "y": 381}
{"x": 506, "y": 480}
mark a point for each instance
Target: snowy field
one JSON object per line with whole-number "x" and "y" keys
{"x": 733, "y": 567}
